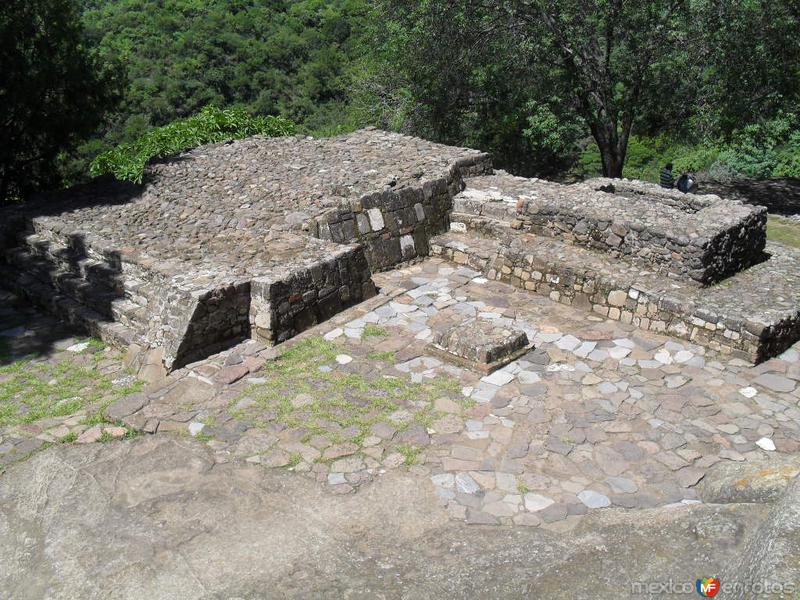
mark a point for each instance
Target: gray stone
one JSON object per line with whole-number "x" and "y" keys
{"x": 536, "y": 502}
{"x": 776, "y": 383}
{"x": 593, "y": 499}
{"x": 621, "y": 485}
{"x": 126, "y": 406}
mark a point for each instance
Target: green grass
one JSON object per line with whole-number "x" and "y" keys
{"x": 339, "y": 399}
{"x": 784, "y": 231}
{"x": 374, "y": 331}
{"x": 411, "y": 453}
{"x": 31, "y": 390}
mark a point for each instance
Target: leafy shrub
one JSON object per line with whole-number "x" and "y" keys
{"x": 128, "y": 161}
{"x": 647, "y": 156}
{"x": 767, "y": 149}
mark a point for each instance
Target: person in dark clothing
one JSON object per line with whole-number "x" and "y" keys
{"x": 667, "y": 180}
{"x": 683, "y": 183}
{"x": 687, "y": 183}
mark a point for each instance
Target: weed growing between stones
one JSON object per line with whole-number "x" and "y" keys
{"x": 305, "y": 390}
{"x": 35, "y": 389}
{"x": 374, "y": 331}
{"x": 411, "y": 453}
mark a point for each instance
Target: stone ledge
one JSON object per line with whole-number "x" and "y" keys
{"x": 754, "y": 314}
{"x": 701, "y": 237}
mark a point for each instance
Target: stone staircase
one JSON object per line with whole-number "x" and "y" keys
{"x": 58, "y": 273}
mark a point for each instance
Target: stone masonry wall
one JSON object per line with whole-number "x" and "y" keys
{"x": 705, "y": 257}
{"x": 280, "y": 309}
{"x": 396, "y": 225}
{"x": 627, "y": 303}
{"x": 704, "y": 238}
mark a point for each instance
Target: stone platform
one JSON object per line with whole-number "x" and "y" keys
{"x": 705, "y": 237}
{"x": 753, "y": 313}
{"x": 481, "y": 342}
{"x": 256, "y": 238}
{"x": 264, "y": 238}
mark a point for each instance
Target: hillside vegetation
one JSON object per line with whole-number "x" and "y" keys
{"x": 563, "y": 89}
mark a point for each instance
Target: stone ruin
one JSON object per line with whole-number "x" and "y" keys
{"x": 264, "y": 238}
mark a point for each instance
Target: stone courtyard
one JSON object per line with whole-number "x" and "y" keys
{"x": 373, "y": 308}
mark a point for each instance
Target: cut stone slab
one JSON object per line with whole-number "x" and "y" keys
{"x": 537, "y": 502}
{"x": 776, "y": 383}
{"x": 766, "y": 444}
{"x": 127, "y": 406}
{"x": 621, "y": 485}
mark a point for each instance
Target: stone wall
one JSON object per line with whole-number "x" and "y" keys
{"x": 627, "y": 302}
{"x": 282, "y": 308}
{"x": 206, "y": 322}
{"x": 704, "y": 238}
{"x": 396, "y": 225}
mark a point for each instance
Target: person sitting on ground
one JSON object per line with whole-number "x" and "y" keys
{"x": 687, "y": 182}
{"x": 692, "y": 187}
{"x": 683, "y": 182}
{"x": 666, "y": 180}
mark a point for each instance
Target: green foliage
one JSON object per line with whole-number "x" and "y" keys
{"x": 530, "y": 81}
{"x": 283, "y": 57}
{"x": 127, "y": 161}
{"x": 768, "y": 148}
{"x": 53, "y": 91}
{"x": 453, "y": 72}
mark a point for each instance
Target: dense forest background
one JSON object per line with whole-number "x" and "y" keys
{"x": 562, "y": 89}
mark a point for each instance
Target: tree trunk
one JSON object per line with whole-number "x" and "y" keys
{"x": 612, "y": 149}
{"x": 613, "y": 160}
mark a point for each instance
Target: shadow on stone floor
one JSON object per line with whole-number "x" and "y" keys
{"x": 25, "y": 332}
{"x": 780, "y": 195}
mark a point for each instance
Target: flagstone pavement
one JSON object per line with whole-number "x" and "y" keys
{"x": 597, "y": 414}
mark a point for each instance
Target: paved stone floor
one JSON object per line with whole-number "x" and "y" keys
{"x": 350, "y": 462}
{"x": 597, "y": 414}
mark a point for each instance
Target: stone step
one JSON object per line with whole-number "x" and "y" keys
{"x": 62, "y": 257}
{"x": 94, "y": 294}
{"x": 66, "y": 308}
{"x": 754, "y": 314}
{"x": 37, "y": 251}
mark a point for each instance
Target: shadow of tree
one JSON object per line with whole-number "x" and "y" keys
{"x": 75, "y": 272}
{"x": 781, "y": 196}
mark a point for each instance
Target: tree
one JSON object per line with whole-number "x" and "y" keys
{"x": 751, "y": 53}
{"x": 453, "y": 72}
{"x": 607, "y": 52}
{"x": 536, "y": 70}
{"x": 52, "y": 91}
